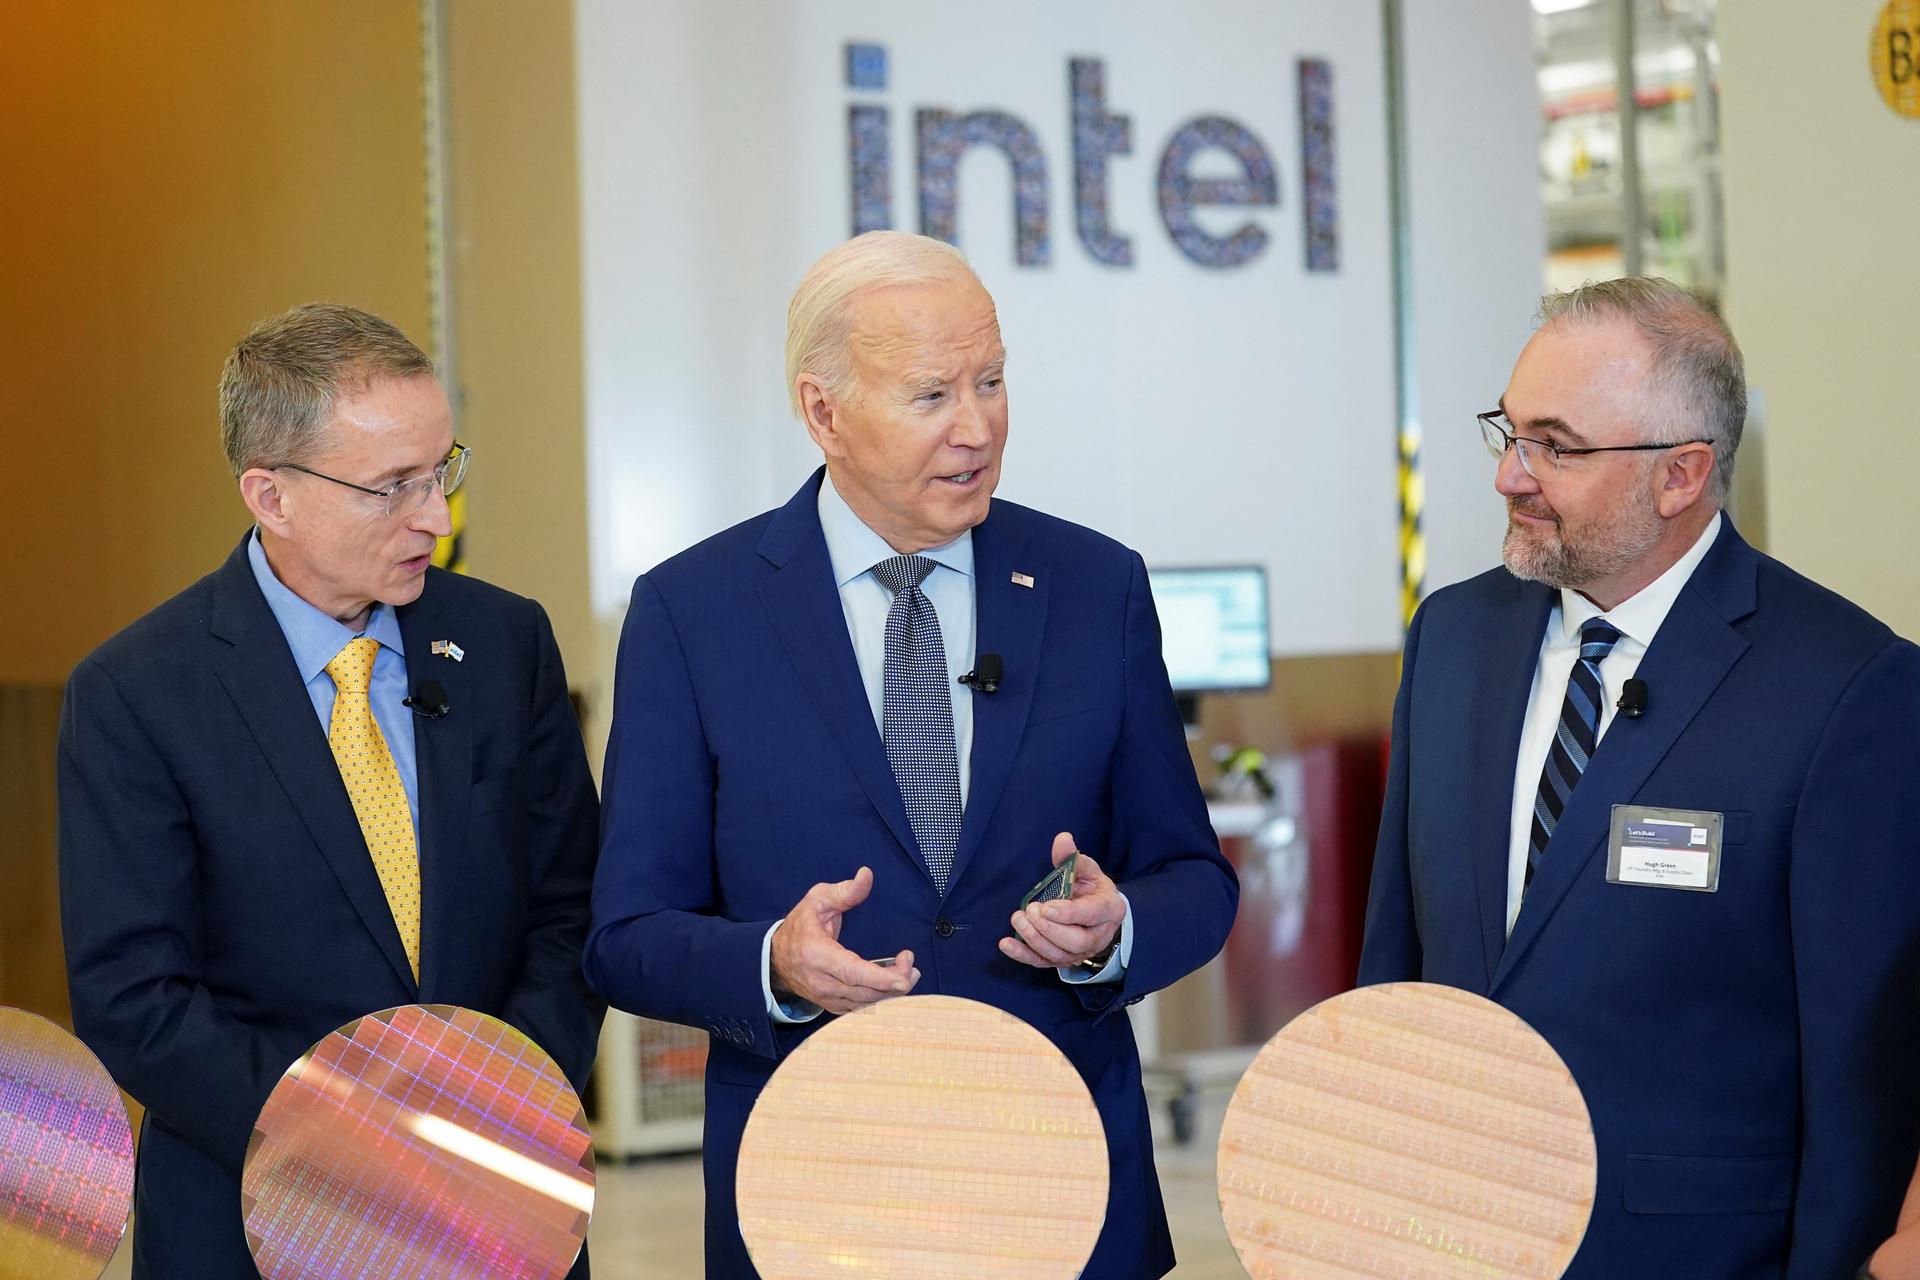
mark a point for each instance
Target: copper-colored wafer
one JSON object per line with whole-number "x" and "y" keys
{"x": 1409, "y": 1131}
{"x": 66, "y": 1155}
{"x": 423, "y": 1141}
{"x": 924, "y": 1138}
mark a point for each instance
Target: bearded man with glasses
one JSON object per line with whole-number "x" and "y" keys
{"x": 1652, "y": 791}
{"x": 325, "y": 780}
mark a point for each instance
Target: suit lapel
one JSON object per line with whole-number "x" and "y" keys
{"x": 1694, "y": 650}
{"x": 259, "y": 674}
{"x": 804, "y": 606}
{"x": 1009, "y": 619}
{"x": 1503, "y": 682}
{"x": 443, "y": 761}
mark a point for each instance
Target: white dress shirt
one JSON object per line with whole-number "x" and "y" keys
{"x": 853, "y": 549}
{"x": 1637, "y": 619}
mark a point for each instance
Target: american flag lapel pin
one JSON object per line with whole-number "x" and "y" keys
{"x": 1023, "y": 580}
{"x": 448, "y": 649}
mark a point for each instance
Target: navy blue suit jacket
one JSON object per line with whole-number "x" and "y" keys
{"x": 220, "y": 909}
{"x": 1747, "y": 1055}
{"x": 745, "y": 767}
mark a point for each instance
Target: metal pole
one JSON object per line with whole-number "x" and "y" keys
{"x": 1633, "y": 200}
{"x": 1706, "y": 107}
{"x": 451, "y": 553}
{"x": 1412, "y": 483}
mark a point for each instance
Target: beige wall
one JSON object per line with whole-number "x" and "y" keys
{"x": 33, "y": 972}
{"x": 1823, "y": 201}
{"x": 174, "y": 171}
{"x": 514, "y": 213}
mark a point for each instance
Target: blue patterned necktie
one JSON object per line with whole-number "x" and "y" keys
{"x": 1573, "y": 742}
{"x": 917, "y": 716}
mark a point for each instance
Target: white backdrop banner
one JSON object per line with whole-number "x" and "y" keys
{"x": 1181, "y": 211}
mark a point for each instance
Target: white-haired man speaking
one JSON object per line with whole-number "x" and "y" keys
{"x": 798, "y": 779}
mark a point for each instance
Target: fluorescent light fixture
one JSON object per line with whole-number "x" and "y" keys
{"x": 1558, "y": 6}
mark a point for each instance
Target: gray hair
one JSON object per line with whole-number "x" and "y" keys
{"x": 279, "y": 385}
{"x": 820, "y": 316}
{"x": 1698, "y": 382}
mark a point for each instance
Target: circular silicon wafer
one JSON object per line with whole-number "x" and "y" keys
{"x": 422, "y": 1141}
{"x": 923, "y": 1138}
{"x": 66, "y": 1154}
{"x": 1410, "y": 1131}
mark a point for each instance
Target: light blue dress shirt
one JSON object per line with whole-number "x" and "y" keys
{"x": 317, "y": 639}
{"x": 853, "y": 549}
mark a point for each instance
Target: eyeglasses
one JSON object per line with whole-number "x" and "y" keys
{"x": 1543, "y": 460}
{"x": 408, "y": 496}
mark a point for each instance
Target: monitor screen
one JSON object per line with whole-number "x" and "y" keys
{"x": 1213, "y": 627}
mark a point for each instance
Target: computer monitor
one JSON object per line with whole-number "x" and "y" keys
{"x": 1213, "y": 629}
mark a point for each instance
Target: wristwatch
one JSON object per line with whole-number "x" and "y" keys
{"x": 1100, "y": 960}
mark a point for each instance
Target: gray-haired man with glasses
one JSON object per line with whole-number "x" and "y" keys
{"x": 1653, "y": 791}
{"x": 323, "y": 781}
{"x": 405, "y": 497}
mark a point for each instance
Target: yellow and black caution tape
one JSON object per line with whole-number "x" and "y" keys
{"x": 1413, "y": 536}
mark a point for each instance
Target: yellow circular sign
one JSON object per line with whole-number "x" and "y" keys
{"x": 1895, "y": 56}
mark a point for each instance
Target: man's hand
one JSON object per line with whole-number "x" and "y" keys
{"x": 1059, "y": 935}
{"x": 1899, "y": 1258}
{"x": 808, "y": 961}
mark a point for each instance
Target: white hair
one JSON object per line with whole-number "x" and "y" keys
{"x": 820, "y": 316}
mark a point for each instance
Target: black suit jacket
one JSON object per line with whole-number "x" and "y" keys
{"x": 220, "y": 908}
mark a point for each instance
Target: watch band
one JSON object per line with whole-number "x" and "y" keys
{"x": 1095, "y": 963}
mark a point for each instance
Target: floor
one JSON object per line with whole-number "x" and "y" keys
{"x": 647, "y": 1216}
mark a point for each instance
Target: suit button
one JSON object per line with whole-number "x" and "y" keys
{"x": 943, "y": 927}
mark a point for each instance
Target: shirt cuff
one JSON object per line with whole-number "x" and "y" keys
{"x": 1116, "y": 969}
{"x": 786, "y": 1013}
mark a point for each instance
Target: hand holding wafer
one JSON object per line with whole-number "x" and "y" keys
{"x": 1055, "y": 935}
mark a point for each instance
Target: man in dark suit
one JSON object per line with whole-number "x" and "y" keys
{"x": 797, "y": 779}
{"x": 259, "y": 842}
{"x": 1652, "y": 791}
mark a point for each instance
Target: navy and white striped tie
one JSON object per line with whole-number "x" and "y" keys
{"x": 1574, "y": 741}
{"x": 917, "y": 716}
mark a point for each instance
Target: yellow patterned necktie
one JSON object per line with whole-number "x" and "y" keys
{"x": 373, "y": 783}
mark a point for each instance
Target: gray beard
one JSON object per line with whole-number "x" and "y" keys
{"x": 1565, "y": 563}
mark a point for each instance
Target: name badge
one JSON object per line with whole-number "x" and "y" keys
{"x": 1665, "y": 848}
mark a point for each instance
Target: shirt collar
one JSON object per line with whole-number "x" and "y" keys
{"x": 315, "y": 638}
{"x": 1639, "y": 616}
{"x": 854, "y": 548}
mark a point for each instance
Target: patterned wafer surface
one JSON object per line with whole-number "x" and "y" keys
{"x": 924, "y": 1138}
{"x": 66, "y": 1155}
{"x": 1411, "y": 1132}
{"x": 423, "y": 1141}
